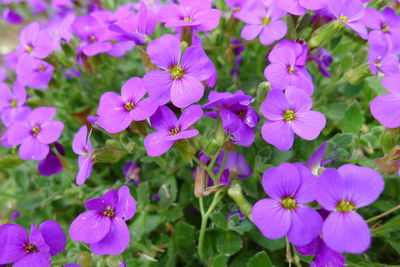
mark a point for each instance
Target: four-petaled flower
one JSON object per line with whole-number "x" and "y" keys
{"x": 83, "y": 147}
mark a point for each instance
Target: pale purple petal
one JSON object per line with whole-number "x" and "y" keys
{"x": 85, "y": 169}
{"x": 32, "y": 148}
{"x": 34, "y": 260}
{"x": 158, "y": 84}
{"x": 186, "y": 91}
{"x": 298, "y": 99}
{"x": 109, "y": 199}
{"x": 306, "y": 192}
{"x": 273, "y": 32}
{"x": 126, "y": 206}
{"x": 143, "y": 110}
{"x": 249, "y": 32}
{"x": 89, "y": 227}
{"x": 18, "y": 132}
{"x": 308, "y": 125}
{"x": 386, "y": 109}
{"x": 190, "y": 116}
{"x": 278, "y": 134}
{"x": 165, "y": 51}
{"x": 274, "y": 105}
{"x": 330, "y": 189}
{"x": 133, "y": 90}
{"x": 50, "y": 132}
{"x": 156, "y": 144}
{"x": 282, "y": 181}
{"x": 164, "y": 119}
{"x": 182, "y": 135}
{"x": 79, "y": 142}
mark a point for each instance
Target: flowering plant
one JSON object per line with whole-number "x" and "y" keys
{"x": 199, "y": 133}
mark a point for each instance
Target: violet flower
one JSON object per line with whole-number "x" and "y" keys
{"x": 287, "y": 68}
{"x": 386, "y": 28}
{"x": 3, "y": 74}
{"x": 116, "y": 112}
{"x": 131, "y": 172}
{"x": 35, "y": 133}
{"x": 51, "y": 164}
{"x": 180, "y": 79}
{"x": 290, "y": 186}
{"x": 12, "y": 104}
{"x": 33, "y": 250}
{"x": 11, "y": 16}
{"x": 34, "y": 73}
{"x": 381, "y": 62}
{"x": 170, "y": 129}
{"x": 341, "y": 192}
{"x": 350, "y": 14}
{"x": 299, "y": 7}
{"x": 265, "y": 22}
{"x": 288, "y": 114}
{"x": 195, "y": 14}
{"x": 103, "y": 226}
{"x": 238, "y": 118}
{"x": 236, "y": 164}
{"x": 82, "y": 146}
{"x": 323, "y": 59}
{"x": 35, "y": 42}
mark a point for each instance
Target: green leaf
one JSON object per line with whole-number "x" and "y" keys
{"x": 143, "y": 194}
{"x": 392, "y": 225}
{"x": 144, "y": 224}
{"x": 353, "y": 118}
{"x": 220, "y": 261}
{"x": 219, "y": 220}
{"x": 184, "y": 235}
{"x": 261, "y": 259}
{"x": 228, "y": 242}
{"x": 10, "y": 161}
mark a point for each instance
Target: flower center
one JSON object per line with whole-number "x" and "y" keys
{"x": 187, "y": 19}
{"x": 14, "y": 103}
{"x": 344, "y": 18}
{"x": 236, "y": 8}
{"x": 41, "y": 68}
{"x": 177, "y": 72}
{"x": 92, "y": 39}
{"x": 36, "y": 130}
{"x": 289, "y": 115}
{"x": 378, "y": 64}
{"x": 175, "y": 130}
{"x": 385, "y": 28}
{"x": 345, "y": 206}
{"x": 289, "y": 203}
{"x": 291, "y": 70}
{"x": 241, "y": 114}
{"x": 266, "y": 20}
{"x": 30, "y": 248}
{"x": 29, "y": 49}
{"x": 129, "y": 106}
{"x": 109, "y": 212}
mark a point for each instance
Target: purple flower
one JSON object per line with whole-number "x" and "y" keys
{"x": 82, "y": 146}
{"x": 33, "y": 250}
{"x": 170, "y": 129}
{"x": 190, "y": 13}
{"x": 386, "y": 28}
{"x": 117, "y": 112}
{"x": 180, "y": 79}
{"x": 316, "y": 161}
{"x": 323, "y": 59}
{"x": 350, "y": 14}
{"x": 238, "y": 5}
{"x": 341, "y": 192}
{"x": 238, "y": 118}
{"x": 34, "y": 73}
{"x": 35, "y": 42}
{"x": 52, "y": 164}
{"x": 37, "y": 6}
{"x": 264, "y": 21}
{"x": 131, "y": 172}
{"x": 3, "y": 74}
{"x": 35, "y": 133}
{"x": 92, "y": 34}
{"x": 287, "y": 68}
{"x": 12, "y": 16}
{"x": 236, "y": 164}
{"x": 12, "y": 104}
{"x": 288, "y": 114}
{"x": 299, "y": 7}
{"x": 60, "y": 29}
{"x": 103, "y": 226}
{"x": 386, "y": 63}
{"x": 290, "y": 186}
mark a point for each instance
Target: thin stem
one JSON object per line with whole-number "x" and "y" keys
{"x": 221, "y": 170}
{"x": 208, "y": 169}
{"x": 201, "y": 202}
{"x": 288, "y": 253}
{"x": 383, "y": 214}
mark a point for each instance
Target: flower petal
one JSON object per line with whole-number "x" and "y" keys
{"x": 32, "y": 148}
{"x": 306, "y": 192}
{"x": 79, "y": 142}
{"x": 282, "y": 181}
{"x": 133, "y": 90}
{"x": 278, "y": 134}
{"x": 50, "y": 132}
{"x": 34, "y": 260}
{"x": 156, "y": 144}
{"x": 186, "y": 91}
{"x": 190, "y": 116}
{"x": 85, "y": 169}
{"x": 330, "y": 189}
{"x": 249, "y": 32}
{"x": 158, "y": 84}
{"x": 54, "y": 236}
{"x": 274, "y": 105}
{"x": 165, "y": 51}
{"x": 308, "y": 125}
{"x": 163, "y": 119}
{"x": 386, "y": 109}
{"x": 89, "y": 227}
{"x": 126, "y": 206}
{"x": 12, "y": 237}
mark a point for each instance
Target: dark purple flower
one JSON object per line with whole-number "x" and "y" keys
{"x": 341, "y": 192}
{"x": 131, "y": 172}
{"x": 290, "y": 186}
{"x": 323, "y": 59}
{"x": 14, "y": 215}
{"x": 33, "y": 250}
{"x": 34, "y": 73}
{"x": 82, "y": 146}
{"x": 180, "y": 79}
{"x": 288, "y": 114}
{"x": 170, "y": 129}
{"x": 35, "y": 133}
{"x": 236, "y": 164}
{"x": 116, "y": 112}
{"x": 52, "y": 164}
{"x": 190, "y": 13}
{"x": 103, "y": 226}
{"x": 12, "y": 104}
{"x": 11, "y": 16}
{"x": 35, "y": 42}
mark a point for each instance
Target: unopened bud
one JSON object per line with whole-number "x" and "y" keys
{"x": 211, "y": 148}
{"x": 108, "y": 154}
{"x": 324, "y": 34}
{"x": 262, "y": 91}
{"x": 235, "y": 192}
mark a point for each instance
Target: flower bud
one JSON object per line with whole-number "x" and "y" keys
{"x": 211, "y": 148}
{"x": 108, "y": 154}
{"x": 262, "y": 91}
{"x": 324, "y": 34}
{"x": 387, "y": 141}
{"x": 358, "y": 74}
{"x": 235, "y": 192}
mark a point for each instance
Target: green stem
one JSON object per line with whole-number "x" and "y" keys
{"x": 383, "y": 214}
{"x": 207, "y": 168}
{"x": 217, "y": 198}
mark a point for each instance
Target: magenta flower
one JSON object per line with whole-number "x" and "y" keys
{"x": 299, "y": 7}
{"x": 386, "y": 28}
{"x": 35, "y": 42}
{"x": 92, "y": 34}
{"x": 381, "y": 61}
{"x": 290, "y": 186}
{"x": 341, "y": 192}
{"x": 11, "y": 16}
{"x": 35, "y": 133}
{"x": 34, "y": 73}
{"x": 190, "y": 13}
{"x": 287, "y": 68}
{"x": 51, "y": 164}
{"x": 117, "y": 112}
{"x": 33, "y": 250}
{"x": 82, "y": 146}
{"x": 12, "y": 104}
{"x": 323, "y": 59}
{"x": 264, "y": 21}
{"x": 350, "y": 14}
{"x": 170, "y": 129}
{"x": 103, "y": 226}
{"x": 180, "y": 79}
{"x": 288, "y": 114}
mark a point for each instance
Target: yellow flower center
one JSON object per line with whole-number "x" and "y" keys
{"x": 129, "y": 106}
{"x": 291, "y": 70}
{"x": 378, "y": 64}
{"x": 289, "y": 203}
{"x": 109, "y": 212}
{"x": 30, "y": 248}
{"x": 36, "y": 130}
{"x": 289, "y": 115}
{"x": 236, "y": 8}
{"x": 41, "y": 68}
{"x": 92, "y": 39}
{"x": 385, "y": 28}
{"x": 345, "y": 206}
{"x": 29, "y": 49}
{"x": 187, "y": 19}
{"x": 14, "y": 103}
{"x": 175, "y": 130}
{"x": 344, "y": 18}
{"x": 266, "y": 20}
{"x": 177, "y": 72}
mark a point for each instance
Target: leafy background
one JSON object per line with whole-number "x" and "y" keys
{"x": 164, "y": 232}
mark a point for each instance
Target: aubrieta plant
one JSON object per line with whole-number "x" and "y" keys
{"x": 199, "y": 133}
